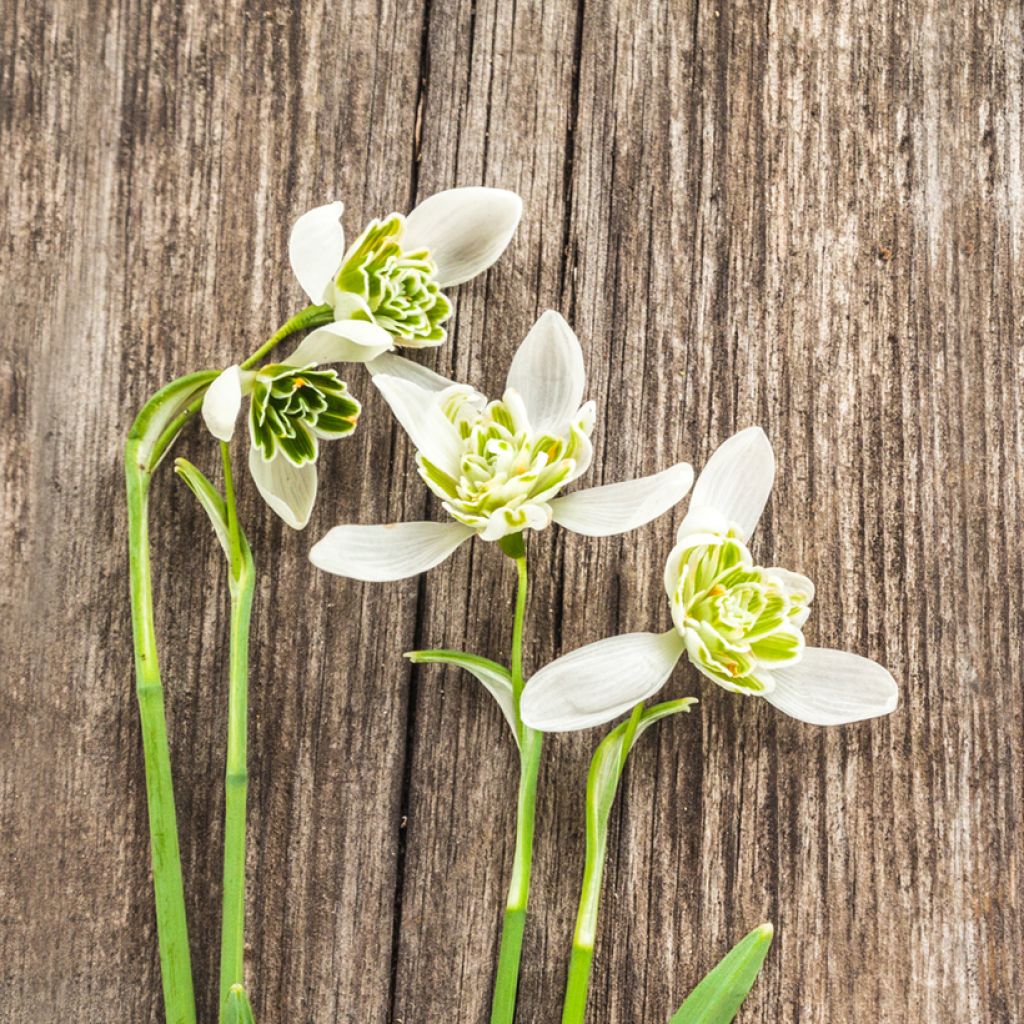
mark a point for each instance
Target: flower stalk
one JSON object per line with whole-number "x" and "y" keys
{"x": 581, "y": 960}
{"x": 606, "y": 770}
{"x": 150, "y": 437}
{"x": 236, "y": 778}
{"x": 142, "y": 453}
{"x": 506, "y": 984}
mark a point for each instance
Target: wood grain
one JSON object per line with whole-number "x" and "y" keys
{"x": 807, "y": 216}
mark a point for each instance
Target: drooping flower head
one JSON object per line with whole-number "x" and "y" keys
{"x": 740, "y": 624}
{"x": 385, "y": 290}
{"x": 498, "y": 467}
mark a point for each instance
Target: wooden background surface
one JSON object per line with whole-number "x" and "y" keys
{"x": 808, "y": 216}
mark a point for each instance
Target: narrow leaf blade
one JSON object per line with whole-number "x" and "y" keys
{"x": 496, "y": 678}
{"x": 717, "y": 999}
{"x": 213, "y": 505}
{"x": 237, "y": 1009}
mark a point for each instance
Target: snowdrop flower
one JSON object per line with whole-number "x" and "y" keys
{"x": 386, "y": 288}
{"x": 740, "y": 624}
{"x": 292, "y": 406}
{"x": 498, "y": 467}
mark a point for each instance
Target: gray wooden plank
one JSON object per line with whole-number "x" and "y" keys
{"x": 808, "y": 217}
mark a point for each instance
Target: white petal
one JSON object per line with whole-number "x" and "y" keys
{"x": 344, "y": 341}
{"x": 832, "y": 687}
{"x": 548, "y": 372}
{"x": 465, "y": 229}
{"x": 598, "y": 682}
{"x": 379, "y": 554}
{"x": 795, "y": 583}
{"x": 316, "y": 248}
{"x": 221, "y": 403}
{"x": 734, "y": 485}
{"x": 398, "y": 366}
{"x": 617, "y": 508}
{"x": 419, "y": 411}
{"x": 289, "y": 490}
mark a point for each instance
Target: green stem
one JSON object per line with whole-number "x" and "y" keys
{"x": 577, "y": 986}
{"x": 150, "y": 437}
{"x": 503, "y": 1007}
{"x": 236, "y": 780}
{"x": 311, "y": 316}
{"x": 168, "y": 888}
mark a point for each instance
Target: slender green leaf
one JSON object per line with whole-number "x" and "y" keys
{"x": 236, "y": 1008}
{"x": 609, "y": 760}
{"x": 213, "y": 505}
{"x": 717, "y": 999}
{"x": 496, "y": 678}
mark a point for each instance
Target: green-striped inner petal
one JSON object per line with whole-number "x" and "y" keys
{"x": 738, "y": 620}
{"x": 294, "y": 406}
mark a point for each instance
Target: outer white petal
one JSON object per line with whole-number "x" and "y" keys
{"x": 465, "y": 229}
{"x": 833, "y": 687}
{"x": 379, "y": 554}
{"x": 795, "y": 582}
{"x": 289, "y": 490}
{"x": 548, "y": 372}
{"x": 316, "y": 248}
{"x": 419, "y": 412}
{"x": 734, "y": 485}
{"x": 617, "y": 508}
{"x": 598, "y": 682}
{"x": 344, "y": 341}
{"x": 221, "y": 403}
{"x": 416, "y": 373}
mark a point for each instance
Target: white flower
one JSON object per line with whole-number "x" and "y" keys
{"x": 740, "y": 624}
{"x": 498, "y": 467}
{"x": 391, "y": 278}
{"x": 385, "y": 290}
{"x": 293, "y": 405}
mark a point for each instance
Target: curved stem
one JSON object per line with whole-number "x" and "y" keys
{"x": 151, "y": 435}
{"x": 577, "y": 986}
{"x": 236, "y": 779}
{"x": 168, "y": 888}
{"x": 503, "y": 1007}
{"x": 311, "y": 316}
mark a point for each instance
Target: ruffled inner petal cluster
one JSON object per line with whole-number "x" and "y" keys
{"x": 739, "y": 621}
{"x": 507, "y": 471}
{"x": 294, "y": 406}
{"x": 396, "y": 288}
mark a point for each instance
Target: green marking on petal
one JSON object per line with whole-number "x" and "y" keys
{"x": 507, "y": 474}
{"x": 397, "y": 286}
{"x": 737, "y": 619}
{"x": 292, "y": 406}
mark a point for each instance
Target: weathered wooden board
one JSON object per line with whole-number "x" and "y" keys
{"x": 809, "y": 216}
